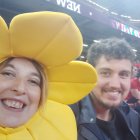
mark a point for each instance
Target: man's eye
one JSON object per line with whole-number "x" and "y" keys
{"x": 125, "y": 75}
{"x": 105, "y": 74}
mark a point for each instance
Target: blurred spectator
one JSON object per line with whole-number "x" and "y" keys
{"x": 137, "y": 65}
{"x": 134, "y": 71}
{"x": 134, "y": 95}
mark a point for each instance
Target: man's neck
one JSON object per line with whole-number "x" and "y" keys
{"x": 102, "y": 113}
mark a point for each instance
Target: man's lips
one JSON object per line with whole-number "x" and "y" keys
{"x": 113, "y": 94}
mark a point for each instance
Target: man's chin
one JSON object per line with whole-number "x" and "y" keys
{"x": 111, "y": 106}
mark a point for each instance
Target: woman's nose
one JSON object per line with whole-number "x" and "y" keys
{"x": 19, "y": 86}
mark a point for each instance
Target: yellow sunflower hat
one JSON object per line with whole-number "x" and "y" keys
{"x": 54, "y": 40}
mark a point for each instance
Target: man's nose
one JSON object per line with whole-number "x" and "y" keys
{"x": 19, "y": 86}
{"x": 115, "y": 81}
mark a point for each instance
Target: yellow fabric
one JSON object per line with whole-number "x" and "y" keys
{"x": 71, "y": 82}
{"x": 45, "y": 126}
{"x": 4, "y": 40}
{"x": 43, "y": 40}
{"x": 54, "y": 40}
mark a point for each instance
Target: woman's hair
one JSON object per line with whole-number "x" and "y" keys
{"x": 40, "y": 69}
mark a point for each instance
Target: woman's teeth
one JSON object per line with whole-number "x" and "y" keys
{"x": 13, "y": 104}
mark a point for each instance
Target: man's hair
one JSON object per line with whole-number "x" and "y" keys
{"x": 111, "y": 48}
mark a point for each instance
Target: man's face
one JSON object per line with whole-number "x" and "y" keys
{"x": 113, "y": 82}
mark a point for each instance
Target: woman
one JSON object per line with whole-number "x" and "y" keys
{"x": 40, "y": 46}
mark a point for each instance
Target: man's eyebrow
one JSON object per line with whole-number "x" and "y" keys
{"x": 127, "y": 71}
{"x": 104, "y": 68}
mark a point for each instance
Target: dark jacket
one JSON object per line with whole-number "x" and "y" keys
{"x": 86, "y": 121}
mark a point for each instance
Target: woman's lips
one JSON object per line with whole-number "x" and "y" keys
{"x": 13, "y": 104}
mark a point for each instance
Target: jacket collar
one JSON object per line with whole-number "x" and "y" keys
{"x": 87, "y": 113}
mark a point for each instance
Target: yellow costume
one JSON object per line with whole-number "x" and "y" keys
{"x": 54, "y": 40}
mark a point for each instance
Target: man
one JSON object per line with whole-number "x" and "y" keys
{"x": 103, "y": 115}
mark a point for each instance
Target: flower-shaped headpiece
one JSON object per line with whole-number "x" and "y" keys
{"x": 53, "y": 40}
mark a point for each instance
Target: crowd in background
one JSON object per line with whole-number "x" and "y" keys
{"x": 133, "y": 98}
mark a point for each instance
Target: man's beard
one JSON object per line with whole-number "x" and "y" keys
{"x": 105, "y": 105}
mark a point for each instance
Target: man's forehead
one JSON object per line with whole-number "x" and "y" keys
{"x": 116, "y": 63}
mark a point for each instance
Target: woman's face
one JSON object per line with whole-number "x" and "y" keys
{"x": 19, "y": 92}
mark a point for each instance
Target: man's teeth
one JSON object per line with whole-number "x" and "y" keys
{"x": 13, "y": 104}
{"x": 114, "y": 92}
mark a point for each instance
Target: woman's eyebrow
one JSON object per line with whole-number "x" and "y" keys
{"x": 36, "y": 74}
{"x": 10, "y": 65}
{"x": 33, "y": 73}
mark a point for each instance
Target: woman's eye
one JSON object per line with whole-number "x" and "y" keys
{"x": 8, "y": 74}
{"x": 34, "y": 82}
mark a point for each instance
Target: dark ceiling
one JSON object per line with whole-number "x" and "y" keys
{"x": 122, "y": 7}
{"x": 90, "y": 29}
